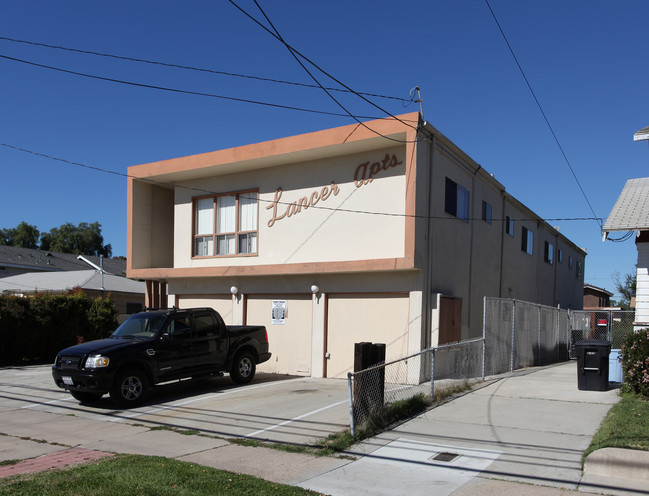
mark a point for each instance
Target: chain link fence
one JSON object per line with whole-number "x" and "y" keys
{"x": 376, "y": 393}
{"x": 520, "y": 334}
{"x": 516, "y": 334}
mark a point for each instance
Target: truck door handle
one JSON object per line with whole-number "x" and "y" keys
{"x": 150, "y": 352}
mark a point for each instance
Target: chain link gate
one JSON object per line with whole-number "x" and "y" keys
{"x": 609, "y": 325}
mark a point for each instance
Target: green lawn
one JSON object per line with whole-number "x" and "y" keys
{"x": 133, "y": 475}
{"x": 625, "y": 426}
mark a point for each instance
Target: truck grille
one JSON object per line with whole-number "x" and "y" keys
{"x": 70, "y": 362}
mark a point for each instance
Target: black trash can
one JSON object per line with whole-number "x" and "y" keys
{"x": 592, "y": 364}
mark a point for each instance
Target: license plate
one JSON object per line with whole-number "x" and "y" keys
{"x": 67, "y": 380}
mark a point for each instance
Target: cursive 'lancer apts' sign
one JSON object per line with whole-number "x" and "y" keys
{"x": 363, "y": 175}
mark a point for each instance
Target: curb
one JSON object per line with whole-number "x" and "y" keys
{"x": 618, "y": 463}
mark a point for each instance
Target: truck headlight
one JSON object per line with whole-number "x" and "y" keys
{"x": 97, "y": 362}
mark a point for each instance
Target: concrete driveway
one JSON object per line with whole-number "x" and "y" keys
{"x": 272, "y": 408}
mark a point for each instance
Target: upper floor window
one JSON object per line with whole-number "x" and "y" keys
{"x": 580, "y": 270}
{"x": 456, "y": 201}
{"x": 560, "y": 256}
{"x": 527, "y": 241}
{"x": 509, "y": 225}
{"x": 226, "y": 225}
{"x": 548, "y": 253}
{"x": 486, "y": 212}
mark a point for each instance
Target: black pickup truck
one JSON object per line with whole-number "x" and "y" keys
{"x": 157, "y": 346}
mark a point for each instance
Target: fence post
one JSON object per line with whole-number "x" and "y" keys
{"x": 484, "y": 333}
{"x": 513, "y": 343}
{"x": 351, "y": 403}
{"x": 432, "y": 374}
{"x": 609, "y": 327}
{"x": 557, "y": 346}
{"x": 538, "y": 334}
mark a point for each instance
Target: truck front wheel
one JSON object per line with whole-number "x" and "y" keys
{"x": 130, "y": 388}
{"x": 243, "y": 368}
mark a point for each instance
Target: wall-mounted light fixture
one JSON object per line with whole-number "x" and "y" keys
{"x": 315, "y": 289}
{"x": 234, "y": 290}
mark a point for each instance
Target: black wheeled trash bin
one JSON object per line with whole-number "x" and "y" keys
{"x": 592, "y": 364}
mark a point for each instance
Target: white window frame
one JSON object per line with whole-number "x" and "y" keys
{"x": 226, "y": 225}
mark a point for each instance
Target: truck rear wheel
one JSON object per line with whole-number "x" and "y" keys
{"x": 243, "y": 368}
{"x": 129, "y": 388}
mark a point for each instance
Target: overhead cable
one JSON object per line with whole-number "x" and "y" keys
{"x": 175, "y": 90}
{"x": 199, "y": 69}
{"x": 315, "y": 207}
{"x": 297, "y": 52}
{"x": 538, "y": 104}
{"x": 328, "y": 93}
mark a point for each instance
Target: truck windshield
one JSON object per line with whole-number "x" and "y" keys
{"x": 140, "y": 326}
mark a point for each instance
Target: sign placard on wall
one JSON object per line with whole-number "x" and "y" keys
{"x": 279, "y": 312}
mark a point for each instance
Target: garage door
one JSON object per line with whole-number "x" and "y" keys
{"x": 222, "y": 304}
{"x": 354, "y": 319}
{"x": 289, "y": 336}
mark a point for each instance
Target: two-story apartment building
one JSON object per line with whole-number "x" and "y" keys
{"x": 383, "y": 231}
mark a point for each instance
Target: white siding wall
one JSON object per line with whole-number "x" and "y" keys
{"x": 642, "y": 286}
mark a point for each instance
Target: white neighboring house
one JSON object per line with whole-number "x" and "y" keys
{"x": 127, "y": 294}
{"x": 631, "y": 213}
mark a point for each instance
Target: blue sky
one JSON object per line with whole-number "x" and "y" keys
{"x": 583, "y": 58}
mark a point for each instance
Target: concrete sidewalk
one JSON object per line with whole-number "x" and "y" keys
{"x": 530, "y": 427}
{"x": 520, "y": 434}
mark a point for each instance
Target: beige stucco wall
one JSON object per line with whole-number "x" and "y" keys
{"x": 220, "y": 303}
{"x": 151, "y": 225}
{"x": 357, "y": 318}
{"x": 335, "y": 229}
{"x": 290, "y": 342}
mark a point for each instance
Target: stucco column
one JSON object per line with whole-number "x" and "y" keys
{"x": 238, "y": 307}
{"x": 318, "y": 326}
{"x": 416, "y": 340}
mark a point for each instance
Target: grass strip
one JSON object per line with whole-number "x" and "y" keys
{"x": 136, "y": 475}
{"x": 625, "y": 426}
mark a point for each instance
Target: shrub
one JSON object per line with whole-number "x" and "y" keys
{"x": 635, "y": 361}
{"x": 34, "y": 328}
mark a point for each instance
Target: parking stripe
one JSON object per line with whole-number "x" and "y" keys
{"x": 204, "y": 398}
{"x": 296, "y": 418}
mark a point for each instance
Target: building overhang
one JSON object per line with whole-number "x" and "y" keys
{"x": 294, "y": 149}
{"x": 347, "y": 267}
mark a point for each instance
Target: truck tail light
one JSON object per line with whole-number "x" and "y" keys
{"x": 266, "y": 334}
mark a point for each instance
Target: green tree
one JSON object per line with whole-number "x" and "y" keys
{"x": 22, "y": 236}
{"x": 84, "y": 239}
{"x": 625, "y": 286}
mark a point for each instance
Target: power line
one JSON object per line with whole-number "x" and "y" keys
{"x": 198, "y": 69}
{"x": 296, "y": 52}
{"x": 175, "y": 90}
{"x": 624, "y": 237}
{"x": 297, "y": 59}
{"x": 538, "y": 104}
{"x": 317, "y": 207}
